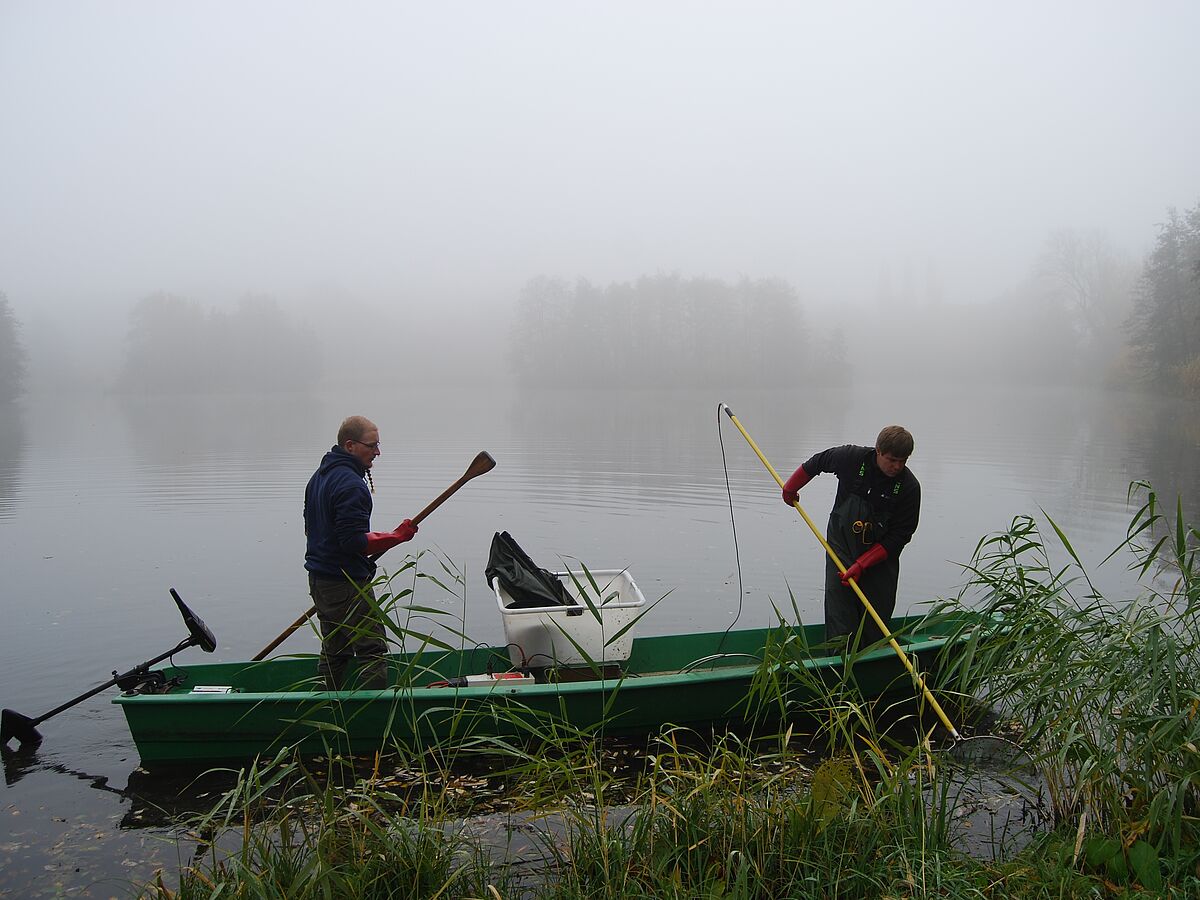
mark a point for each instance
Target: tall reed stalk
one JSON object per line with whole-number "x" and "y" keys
{"x": 1105, "y": 691}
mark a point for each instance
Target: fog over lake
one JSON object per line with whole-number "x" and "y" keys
{"x": 563, "y": 234}
{"x": 393, "y": 175}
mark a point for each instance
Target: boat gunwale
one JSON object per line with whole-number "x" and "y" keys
{"x": 427, "y": 693}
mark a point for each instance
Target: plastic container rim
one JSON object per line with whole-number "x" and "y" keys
{"x": 600, "y": 575}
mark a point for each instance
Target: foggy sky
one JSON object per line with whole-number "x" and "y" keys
{"x": 435, "y": 156}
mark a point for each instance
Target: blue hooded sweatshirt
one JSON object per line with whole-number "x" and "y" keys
{"x": 337, "y": 517}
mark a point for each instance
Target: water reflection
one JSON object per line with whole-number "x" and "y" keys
{"x": 100, "y": 839}
{"x": 171, "y": 431}
{"x": 26, "y": 760}
{"x": 213, "y": 450}
{"x": 19, "y": 761}
{"x": 12, "y": 451}
{"x": 1163, "y": 446}
{"x": 649, "y": 434}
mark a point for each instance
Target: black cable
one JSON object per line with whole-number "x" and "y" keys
{"x": 733, "y": 525}
{"x": 521, "y": 650}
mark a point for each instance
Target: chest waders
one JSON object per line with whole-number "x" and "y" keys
{"x": 855, "y": 525}
{"x": 912, "y": 670}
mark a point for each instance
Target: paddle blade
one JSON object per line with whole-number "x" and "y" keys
{"x": 15, "y": 725}
{"x": 196, "y": 627}
{"x": 483, "y": 462}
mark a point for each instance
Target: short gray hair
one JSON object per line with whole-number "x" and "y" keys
{"x": 353, "y": 428}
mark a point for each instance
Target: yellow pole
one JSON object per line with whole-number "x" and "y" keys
{"x": 937, "y": 708}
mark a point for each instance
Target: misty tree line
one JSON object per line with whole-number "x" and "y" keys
{"x": 1165, "y": 334}
{"x": 1084, "y": 314}
{"x": 1066, "y": 322}
{"x": 665, "y": 331}
{"x": 12, "y": 354}
{"x": 176, "y": 345}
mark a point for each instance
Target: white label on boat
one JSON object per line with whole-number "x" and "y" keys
{"x": 212, "y": 689}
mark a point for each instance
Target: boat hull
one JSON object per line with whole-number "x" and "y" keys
{"x": 700, "y": 681}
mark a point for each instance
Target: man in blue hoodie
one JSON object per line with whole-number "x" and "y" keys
{"x": 341, "y": 554}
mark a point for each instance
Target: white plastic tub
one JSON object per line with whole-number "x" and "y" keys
{"x": 536, "y": 635}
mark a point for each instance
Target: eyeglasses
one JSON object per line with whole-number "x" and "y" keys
{"x": 373, "y": 446}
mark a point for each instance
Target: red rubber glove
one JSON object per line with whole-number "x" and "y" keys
{"x": 791, "y": 487}
{"x": 872, "y": 556}
{"x": 379, "y": 541}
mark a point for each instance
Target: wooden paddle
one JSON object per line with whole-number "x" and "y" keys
{"x": 480, "y": 465}
{"x": 937, "y": 708}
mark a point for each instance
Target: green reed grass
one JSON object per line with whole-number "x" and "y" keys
{"x": 1105, "y": 695}
{"x": 1106, "y": 692}
{"x": 330, "y": 837}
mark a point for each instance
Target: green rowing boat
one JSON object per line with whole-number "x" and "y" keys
{"x": 207, "y": 713}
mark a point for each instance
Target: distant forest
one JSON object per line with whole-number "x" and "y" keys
{"x": 1165, "y": 324}
{"x": 1085, "y": 314}
{"x": 12, "y": 354}
{"x": 666, "y": 331}
{"x": 176, "y": 345}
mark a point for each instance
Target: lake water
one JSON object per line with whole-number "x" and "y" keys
{"x": 107, "y": 503}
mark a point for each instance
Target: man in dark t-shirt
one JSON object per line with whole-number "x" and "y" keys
{"x": 874, "y": 516}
